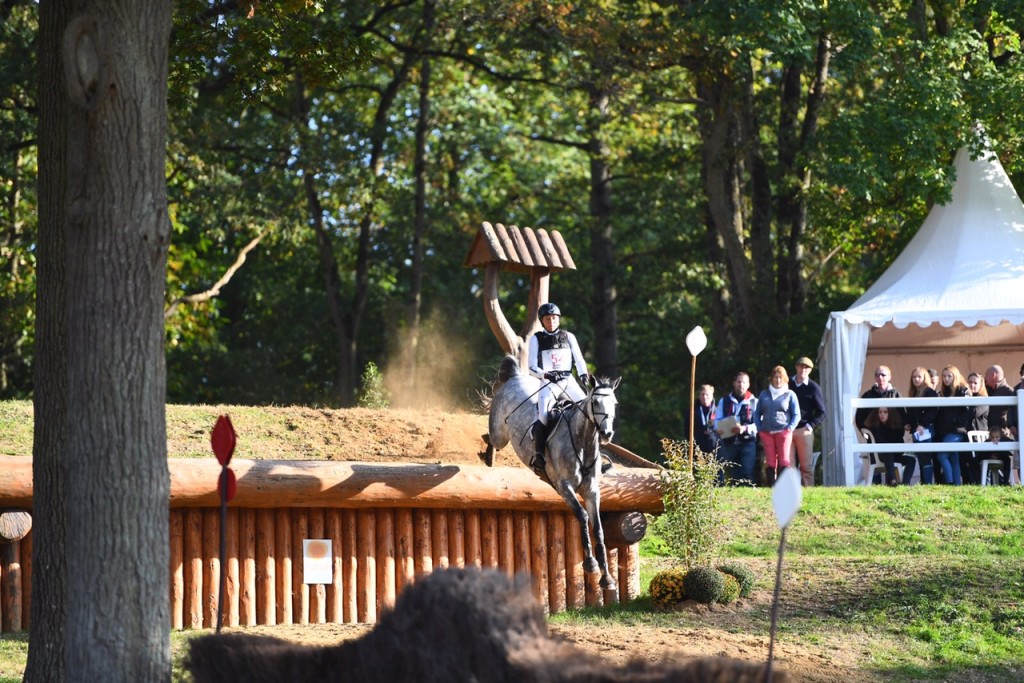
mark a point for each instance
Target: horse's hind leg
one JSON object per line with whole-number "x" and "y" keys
{"x": 589, "y": 564}
{"x": 593, "y": 501}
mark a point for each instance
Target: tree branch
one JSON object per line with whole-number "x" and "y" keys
{"x": 219, "y": 284}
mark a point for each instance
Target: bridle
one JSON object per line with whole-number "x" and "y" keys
{"x": 591, "y": 413}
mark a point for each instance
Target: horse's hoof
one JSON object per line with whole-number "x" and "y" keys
{"x": 590, "y": 565}
{"x": 608, "y": 583}
{"x": 487, "y": 456}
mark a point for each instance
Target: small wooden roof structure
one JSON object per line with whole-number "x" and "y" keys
{"x": 524, "y": 250}
{"x": 519, "y": 249}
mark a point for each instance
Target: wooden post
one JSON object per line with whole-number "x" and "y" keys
{"x": 231, "y": 538}
{"x": 247, "y": 562}
{"x": 299, "y": 589}
{"x": 336, "y": 592}
{"x": 350, "y": 563}
{"x": 489, "y": 553}
{"x": 385, "y": 560}
{"x": 10, "y": 586}
{"x": 506, "y": 543}
{"x": 318, "y": 591}
{"x": 266, "y": 581}
{"x": 539, "y": 558}
{"x": 405, "y": 561}
{"x": 611, "y": 596}
{"x": 193, "y": 549}
{"x": 211, "y": 565}
{"x": 574, "y": 590}
{"x": 26, "y": 586}
{"x": 629, "y": 572}
{"x": 456, "y": 539}
{"x": 439, "y": 538}
{"x": 177, "y": 539}
{"x": 474, "y": 557}
{"x": 521, "y": 541}
{"x": 285, "y": 552}
{"x": 421, "y": 543}
{"x": 556, "y": 562}
{"x": 367, "y": 578}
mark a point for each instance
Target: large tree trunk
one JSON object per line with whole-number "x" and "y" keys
{"x": 114, "y": 450}
{"x": 420, "y": 211}
{"x": 602, "y": 247}
{"x": 46, "y": 619}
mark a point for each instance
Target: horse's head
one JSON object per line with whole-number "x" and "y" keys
{"x": 601, "y": 408}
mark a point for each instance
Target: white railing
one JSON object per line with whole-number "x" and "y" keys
{"x": 854, "y": 447}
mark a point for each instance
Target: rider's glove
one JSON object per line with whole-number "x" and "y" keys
{"x": 585, "y": 380}
{"x": 552, "y": 376}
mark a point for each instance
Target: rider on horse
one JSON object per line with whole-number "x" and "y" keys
{"x": 552, "y": 354}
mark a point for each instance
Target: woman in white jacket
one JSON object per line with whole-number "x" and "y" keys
{"x": 778, "y": 412}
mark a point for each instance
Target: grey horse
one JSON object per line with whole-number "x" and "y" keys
{"x": 573, "y": 454}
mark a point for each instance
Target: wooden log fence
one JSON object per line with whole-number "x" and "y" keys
{"x": 389, "y": 525}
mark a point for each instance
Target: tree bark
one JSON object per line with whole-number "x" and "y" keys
{"x": 110, "y": 389}
{"x": 49, "y": 580}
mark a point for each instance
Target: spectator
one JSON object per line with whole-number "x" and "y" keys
{"x": 921, "y": 421}
{"x": 703, "y": 420}
{"x": 812, "y": 412}
{"x": 880, "y": 389}
{"x": 970, "y": 467}
{"x": 936, "y": 381}
{"x": 887, "y": 427}
{"x": 952, "y": 423}
{"x": 737, "y": 449}
{"x": 1020, "y": 384}
{"x": 999, "y": 421}
{"x": 778, "y": 413}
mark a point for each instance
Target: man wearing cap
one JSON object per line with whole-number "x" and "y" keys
{"x": 812, "y": 412}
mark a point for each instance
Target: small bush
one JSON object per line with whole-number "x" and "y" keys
{"x": 704, "y": 584}
{"x": 693, "y": 522}
{"x": 372, "y": 393}
{"x": 732, "y": 589}
{"x": 667, "y": 588}
{"x": 743, "y": 575}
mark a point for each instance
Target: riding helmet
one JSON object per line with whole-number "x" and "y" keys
{"x": 548, "y": 309}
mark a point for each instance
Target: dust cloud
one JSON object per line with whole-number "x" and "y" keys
{"x": 440, "y": 380}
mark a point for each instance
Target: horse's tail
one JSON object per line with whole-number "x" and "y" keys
{"x": 508, "y": 369}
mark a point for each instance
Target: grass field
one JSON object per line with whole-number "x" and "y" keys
{"x": 918, "y": 583}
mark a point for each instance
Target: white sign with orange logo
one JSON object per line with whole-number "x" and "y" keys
{"x": 317, "y": 559}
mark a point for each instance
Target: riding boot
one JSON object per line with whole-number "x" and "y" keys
{"x": 540, "y": 441}
{"x": 769, "y": 477}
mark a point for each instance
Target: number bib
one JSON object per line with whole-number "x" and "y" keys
{"x": 559, "y": 360}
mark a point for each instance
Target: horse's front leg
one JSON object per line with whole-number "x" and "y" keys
{"x": 569, "y": 496}
{"x": 592, "y": 497}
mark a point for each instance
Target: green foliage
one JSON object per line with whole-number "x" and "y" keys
{"x": 704, "y": 584}
{"x": 693, "y": 523}
{"x": 371, "y": 392}
{"x": 744, "y": 577}
{"x": 731, "y": 589}
{"x": 667, "y": 588}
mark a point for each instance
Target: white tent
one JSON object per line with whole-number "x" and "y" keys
{"x": 954, "y": 296}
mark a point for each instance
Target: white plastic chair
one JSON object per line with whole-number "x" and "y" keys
{"x": 870, "y": 462}
{"x": 990, "y": 466}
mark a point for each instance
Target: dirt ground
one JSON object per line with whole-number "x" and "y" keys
{"x": 416, "y": 436}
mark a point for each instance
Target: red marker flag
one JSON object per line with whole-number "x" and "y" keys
{"x": 223, "y": 440}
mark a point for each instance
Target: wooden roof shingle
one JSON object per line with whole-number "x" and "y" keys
{"x": 519, "y": 249}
